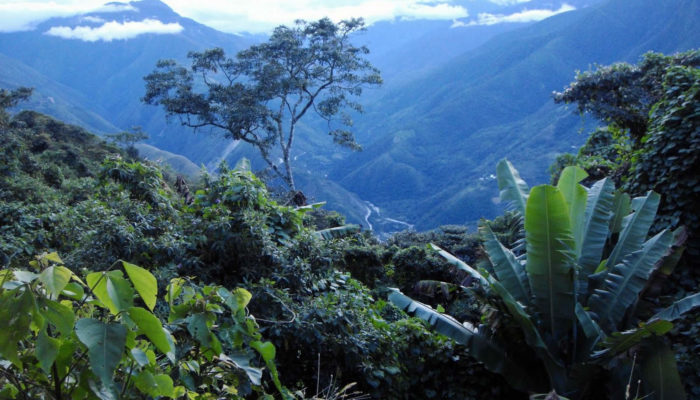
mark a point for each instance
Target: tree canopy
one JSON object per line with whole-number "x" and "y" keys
{"x": 260, "y": 95}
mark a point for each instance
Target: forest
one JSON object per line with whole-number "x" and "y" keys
{"x": 120, "y": 279}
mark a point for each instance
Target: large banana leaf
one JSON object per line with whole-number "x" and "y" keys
{"x": 591, "y": 329}
{"x": 626, "y": 280}
{"x": 482, "y": 348}
{"x": 337, "y": 232}
{"x": 677, "y": 309}
{"x": 621, "y": 208}
{"x": 596, "y": 228}
{"x": 660, "y": 375}
{"x": 461, "y": 265}
{"x": 576, "y": 197}
{"x": 506, "y": 266}
{"x": 635, "y": 227}
{"x": 511, "y": 186}
{"x": 618, "y": 342}
{"x": 550, "y": 258}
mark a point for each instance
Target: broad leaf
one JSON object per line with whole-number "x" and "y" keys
{"x": 625, "y": 281}
{"x": 461, "y": 265}
{"x": 590, "y": 328}
{"x": 511, "y": 186}
{"x": 60, "y": 315}
{"x": 576, "y": 197}
{"x": 46, "y": 350}
{"x": 660, "y": 373}
{"x": 550, "y": 263}
{"x": 112, "y": 290}
{"x": 144, "y": 283}
{"x": 480, "y": 347}
{"x": 55, "y": 278}
{"x": 596, "y": 228}
{"x": 338, "y": 232}
{"x": 621, "y": 208}
{"x": 150, "y": 326}
{"x": 506, "y": 266}
{"x": 242, "y": 361}
{"x": 677, "y": 309}
{"x": 635, "y": 227}
{"x": 15, "y": 316}
{"x": 618, "y": 342}
{"x": 105, "y": 344}
{"x": 154, "y": 385}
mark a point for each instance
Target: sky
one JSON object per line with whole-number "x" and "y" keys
{"x": 253, "y": 16}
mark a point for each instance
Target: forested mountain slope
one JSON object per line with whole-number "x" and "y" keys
{"x": 435, "y": 140}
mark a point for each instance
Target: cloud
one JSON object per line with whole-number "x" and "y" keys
{"x": 23, "y": 15}
{"x": 114, "y": 30}
{"x": 263, "y": 15}
{"x": 508, "y": 2}
{"x": 519, "y": 17}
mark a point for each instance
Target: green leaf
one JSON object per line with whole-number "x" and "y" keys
{"x": 337, "y": 232}
{"x": 550, "y": 258}
{"x": 55, "y": 278}
{"x": 677, "y": 309}
{"x": 105, "y": 344}
{"x": 266, "y": 349}
{"x": 618, "y": 342}
{"x": 60, "y": 315}
{"x": 461, "y": 265}
{"x": 621, "y": 208}
{"x": 576, "y": 198}
{"x": 198, "y": 328}
{"x": 154, "y": 386}
{"x": 635, "y": 227}
{"x": 112, "y": 290}
{"x": 140, "y": 357}
{"x": 590, "y": 328}
{"x": 144, "y": 282}
{"x": 73, "y": 291}
{"x": 625, "y": 281}
{"x": 596, "y": 228}
{"x": 174, "y": 289}
{"x": 660, "y": 373}
{"x": 512, "y": 187}
{"x": 150, "y": 326}
{"x": 242, "y": 361}
{"x": 509, "y": 271}
{"x": 482, "y": 348}
{"x": 46, "y": 350}
{"x": 16, "y": 316}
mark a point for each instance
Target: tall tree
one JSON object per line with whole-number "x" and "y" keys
{"x": 260, "y": 95}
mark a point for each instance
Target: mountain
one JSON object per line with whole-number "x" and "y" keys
{"x": 435, "y": 140}
{"x": 458, "y": 95}
{"x": 108, "y": 71}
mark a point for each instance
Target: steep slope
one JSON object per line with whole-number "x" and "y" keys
{"x": 109, "y": 71}
{"x": 437, "y": 138}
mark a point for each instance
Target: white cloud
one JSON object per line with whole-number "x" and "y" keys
{"x": 114, "y": 30}
{"x": 508, "y": 2}
{"x": 523, "y": 16}
{"x": 22, "y": 15}
{"x": 263, "y": 15}
{"x": 94, "y": 20}
{"x": 257, "y": 16}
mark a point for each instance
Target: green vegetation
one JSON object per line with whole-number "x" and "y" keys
{"x": 268, "y": 88}
{"x": 116, "y": 282}
{"x": 573, "y": 293}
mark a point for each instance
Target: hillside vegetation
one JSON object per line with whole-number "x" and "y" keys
{"x": 121, "y": 280}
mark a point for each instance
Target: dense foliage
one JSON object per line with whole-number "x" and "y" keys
{"x": 574, "y": 294}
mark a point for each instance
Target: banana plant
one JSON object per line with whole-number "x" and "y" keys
{"x": 574, "y": 292}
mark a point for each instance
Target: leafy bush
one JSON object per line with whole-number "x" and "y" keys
{"x": 102, "y": 339}
{"x": 574, "y": 294}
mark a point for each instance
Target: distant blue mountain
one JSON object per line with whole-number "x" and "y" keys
{"x": 458, "y": 96}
